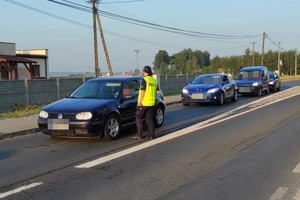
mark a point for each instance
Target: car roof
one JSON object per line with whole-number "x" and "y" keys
{"x": 212, "y": 75}
{"x": 252, "y": 68}
{"x": 115, "y": 79}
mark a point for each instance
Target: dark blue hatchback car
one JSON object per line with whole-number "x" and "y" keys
{"x": 253, "y": 80}
{"x": 209, "y": 88}
{"x": 99, "y": 107}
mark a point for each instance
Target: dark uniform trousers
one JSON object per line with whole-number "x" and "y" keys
{"x": 147, "y": 113}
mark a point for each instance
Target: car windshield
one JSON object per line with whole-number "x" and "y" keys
{"x": 249, "y": 76}
{"x": 271, "y": 75}
{"x": 97, "y": 90}
{"x": 208, "y": 80}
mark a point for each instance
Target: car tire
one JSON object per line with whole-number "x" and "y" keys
{"x": 159, "y": 117}
{"x": 259, "y": 92}
{"x": 235, "y": 96}
{"x": 268, "y": 90}
{"x": 221, "y": 99}
{"x": 112, "y": 127}
{"x": 278, "y": 89}
{"x": 185, "y": 104}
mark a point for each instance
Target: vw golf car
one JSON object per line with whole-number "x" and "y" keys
{"x": 99, "y": 107}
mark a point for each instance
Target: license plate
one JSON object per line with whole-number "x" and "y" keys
{"x": 244, "y": 89}
{"x": 58, "y": 124}
{"x": 197, "y": 96}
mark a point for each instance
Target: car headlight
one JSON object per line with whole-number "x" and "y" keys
{"x": 271, "y": 83}
{"x": 255, "y": 84}
{"x": 213, "y": 90}
{"x": 84, "y": 116}
{"x": 44, "y": 114}
{"x": 185, "y": 91}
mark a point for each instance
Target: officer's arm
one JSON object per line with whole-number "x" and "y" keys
{"x": 141, "y": 98}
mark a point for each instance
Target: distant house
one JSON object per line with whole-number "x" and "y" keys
{"x": 22, "y": 64}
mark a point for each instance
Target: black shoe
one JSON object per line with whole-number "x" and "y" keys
{"x": 150, "y": 137}
{"x": 136, "y": 137}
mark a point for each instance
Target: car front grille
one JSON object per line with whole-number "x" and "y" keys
{"x": 65, "y": 116}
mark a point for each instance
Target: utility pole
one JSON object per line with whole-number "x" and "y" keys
{"x": 137, "y": 60}
{"x": 253, "y": 44}
{"x": 104, "y": 46}
{"x": 296, "y": 60}
{"x": 263, "y": 49}
{"x": 95, "y": 38}
{"x": 278, "y": 66}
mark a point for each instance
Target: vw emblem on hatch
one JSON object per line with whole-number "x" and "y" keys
{"x": 60, "y": 116}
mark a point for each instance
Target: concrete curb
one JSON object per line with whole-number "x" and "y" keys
{"x": 19, "y": 133}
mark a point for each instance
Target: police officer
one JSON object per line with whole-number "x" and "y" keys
{"x": 146, "y": 103}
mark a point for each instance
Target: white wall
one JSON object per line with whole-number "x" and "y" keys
{"x": 8, "y": 49}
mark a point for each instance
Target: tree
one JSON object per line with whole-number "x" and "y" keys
{"x": 288, "y": 61}
{"x": 271, "y": 60}
{"x": 247, "y": 58}
{"x": 163, "y": 69}
{"x": 216, "y": 64}
{"x": 191, "y": 66}
{"x": 161, "y": 57}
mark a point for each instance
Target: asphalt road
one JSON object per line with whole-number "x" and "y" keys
{"x": 251, "y": 156}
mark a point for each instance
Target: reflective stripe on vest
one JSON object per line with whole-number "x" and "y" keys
{"x": 151, "y": 86}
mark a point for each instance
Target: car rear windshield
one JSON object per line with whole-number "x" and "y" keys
{"x": 208, "y": 80}
{"x": 97, "y": 90}
{"x": 249, "y": 76}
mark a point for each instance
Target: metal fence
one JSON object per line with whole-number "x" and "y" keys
{"x": 44, "y": 91}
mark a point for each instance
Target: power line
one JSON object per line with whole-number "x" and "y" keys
{"x": 87, "y": 9}
{"x": 121, "y": 1}
{"x": 276, "y": 44}
{"x": 87, "y": 26}
{"x": 151, "y": 25}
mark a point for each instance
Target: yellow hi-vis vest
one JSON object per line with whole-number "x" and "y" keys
{"x": 151, "y": 86}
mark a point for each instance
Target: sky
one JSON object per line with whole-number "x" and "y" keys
{"x": 229, "y": 27}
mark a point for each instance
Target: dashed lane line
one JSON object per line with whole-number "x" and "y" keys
{"x": 279, "y": 193}
{"x": 20, "y": 189}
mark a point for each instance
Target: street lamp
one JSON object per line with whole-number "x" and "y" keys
{"x": 137, "y": 71}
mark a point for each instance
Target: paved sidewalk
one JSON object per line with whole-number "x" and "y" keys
{"x": 25, "y": 125}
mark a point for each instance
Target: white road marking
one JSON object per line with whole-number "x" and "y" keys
{"x": 297, "y": 168}
{"x": 297, "y": 195}
{"x": 179, "y": 133}
{"x": 279, "y": 193}
{"x": 20, "y": 189}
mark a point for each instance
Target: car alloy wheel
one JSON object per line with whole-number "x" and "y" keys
{"x": 221, "y": 100}
{"x": 112, "y": 128}
{"x": 159, "y": 117}
{"x": 235, "y": 96}
{"x": 268, "y": 90}
{"x": 259, "y": 92}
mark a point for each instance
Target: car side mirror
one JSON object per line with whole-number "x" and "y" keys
{"x": 188, "y": 83}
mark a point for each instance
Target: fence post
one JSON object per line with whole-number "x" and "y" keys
{"x": 177, "y": 80}
{"x": 166, "y": 82}
{"x": 26, "y": 92}
{"x": 58, "y": 88}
